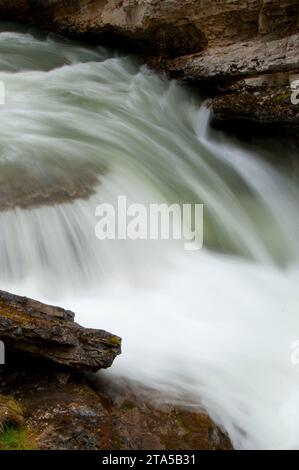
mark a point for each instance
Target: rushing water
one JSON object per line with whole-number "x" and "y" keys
{"x": 211, "y": 327}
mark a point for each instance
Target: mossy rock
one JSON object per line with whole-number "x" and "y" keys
{"x": 14, "y": 435}
{"x": 11, "y": 413}
{"x": 15, "y": 438}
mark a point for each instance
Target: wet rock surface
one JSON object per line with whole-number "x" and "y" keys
{"x": 28, "y": 189}
{"x": 63, "y": 410}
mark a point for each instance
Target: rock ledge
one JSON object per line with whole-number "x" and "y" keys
{"x": 50, "y": 333}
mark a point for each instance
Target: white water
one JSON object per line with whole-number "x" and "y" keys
{"x": 213, "y": 327}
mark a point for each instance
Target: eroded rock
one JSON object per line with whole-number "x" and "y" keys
{"x": 49, "y": 401}
{"x": 50, "y": 333}
{"x": 63, "y": 410}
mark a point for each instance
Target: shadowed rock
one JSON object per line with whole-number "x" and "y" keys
{"x": 62, "y": 410}
{"x": 50, "y": 333}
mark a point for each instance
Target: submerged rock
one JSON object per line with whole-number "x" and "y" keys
{"x": 27, "y": 188}
{"x": 50, "y": 333}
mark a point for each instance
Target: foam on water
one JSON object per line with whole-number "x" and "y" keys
{"x": 213, "y": 327}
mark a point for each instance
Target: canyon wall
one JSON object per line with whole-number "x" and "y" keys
{"x": 244, "y": 52}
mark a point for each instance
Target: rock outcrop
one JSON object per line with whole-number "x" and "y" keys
{"x": 244, "y": 52}
{"x": 50, "y": 333}
{"x": 49, "y": 399}
{"x": 57, "y": 409}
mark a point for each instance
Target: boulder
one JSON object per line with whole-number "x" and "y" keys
{"x": 50, "y": 333}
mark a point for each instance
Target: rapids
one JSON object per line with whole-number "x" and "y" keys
{"x": 212, "y": 327}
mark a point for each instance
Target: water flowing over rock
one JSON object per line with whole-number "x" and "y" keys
{"x": 50, "y": 333}
{"x": 34, "y": 189}
{"x": 244, "y": 51}
{"x": 222, "y": 360}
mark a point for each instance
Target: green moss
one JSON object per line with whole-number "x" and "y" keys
{"x": 11, "y": 412}
{"x": 118, "y": 443}
{"x": 13, "y": 434}
{"x": 14, "y": 438}
{"x": 128, "y": 405}
{"x": 181, "y": 423}
{"x": 283, "y": 97}
{"x": 115, "y": 340}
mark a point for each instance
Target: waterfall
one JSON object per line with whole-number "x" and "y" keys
{"x": 82, "y": 125}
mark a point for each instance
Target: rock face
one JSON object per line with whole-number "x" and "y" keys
{"x": 50, "y": 333}
{"x": 56, "y": 409}
{"x": 48, "y": 400}
{"x": 245, "y": 52}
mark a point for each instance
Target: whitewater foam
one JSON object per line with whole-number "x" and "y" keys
{"x": 211, "y": 328}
